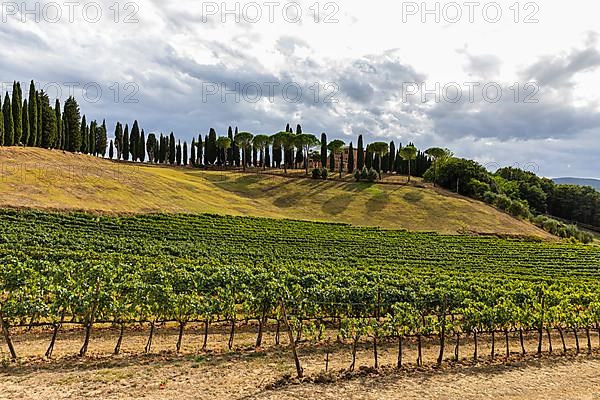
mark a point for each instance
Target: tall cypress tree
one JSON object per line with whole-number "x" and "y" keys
{"x": 161, "y": 149}
{"x": 398, "y": 161}
{"x": 299, "y": 159}
{"x": 368, "y": 159}
{"x": 38, "y": 141}
{"x": 72, "y": 121}
{"x": 178, "y": 153}
{"x": 85, "y": 137}
{"x": 288, "y": 156}
{"x": 110, "y": 150}
{"x": 25, "y": 123}
{"x": 193, "y": 152}
{"x": 185, "y": 153}
{"x": 63, "y": 132}
{"x": 351, "y": 159}
{"x": 134, "y": 141}
{"x": 126, "y": 143}
{"x": 92, "y": 137}
{"x": 165, "y": 150}
{"x": 392, "y": 156}
{"x": 276, "y": 156}
{"x": 101, "y": 139}
{"x": 9, "y": 133}
{"x": 17, "y": 104}
{"x": 236, "y": 151}
{"x": 58, "y": 119}
{"x": 248, "y": 156}
{"x": 205, "y": 161}
{"x": 376, "y": 163}
{"x": 119, "y": 139}
{"x": 65, "y": 125}
{"x": 230, "y": 150}
{"x": 142, "y": 147}
{"x": 49, "y": 133}
{"x": 155, "y": 147}
{"x": 33, "y": 119}
{"x": 172, "y": 149}
{"x": 211, "y": 147}
{"x": 323, "y": 150}
{"x": 267, "y": 157}
{"x": 360, "y": 156}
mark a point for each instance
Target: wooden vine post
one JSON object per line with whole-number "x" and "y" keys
{"x": 299, "y": 370}
{"x": 7, "y": 338}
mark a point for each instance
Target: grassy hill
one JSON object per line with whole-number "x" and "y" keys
{"x": 51, "y": 179}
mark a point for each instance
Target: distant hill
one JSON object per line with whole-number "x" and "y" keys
{"x": 595, "y": 183}
{"x": 51, "y": 179}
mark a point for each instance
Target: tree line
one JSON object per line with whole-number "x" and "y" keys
{"x": 34, "y": 122}
{"x": 523, "y": 194}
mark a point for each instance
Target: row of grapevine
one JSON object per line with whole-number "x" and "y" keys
{"x": 86, "y": 270}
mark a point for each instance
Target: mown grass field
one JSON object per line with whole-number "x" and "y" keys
{"x": 50, "y": 179}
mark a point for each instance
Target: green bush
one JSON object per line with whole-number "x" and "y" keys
{"x": 364, "y": 174}
{"x": 316, "y": 173}
{"x": 490, "y": 197}
{"x": 519, "y": 209}
{"x": 557, "y": 228}
{"x": 357, "y": 175}
{"x": 459, "y": 171}
{"x": 372, "y": 175}
{"x": 478, "y": 188}
{"x": 324, "y": 173}
{"x": 503, "y": 202}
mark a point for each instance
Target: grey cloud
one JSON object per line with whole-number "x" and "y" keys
{"x": 553, "y": 117}
{"x": 558, "y": 70}
{"x": 481, "y": 65}
{"x": 12, "y": 32}
{"x": 507, "y": 119}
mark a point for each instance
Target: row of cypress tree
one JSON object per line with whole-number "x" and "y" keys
{"x": 35, "y": 122}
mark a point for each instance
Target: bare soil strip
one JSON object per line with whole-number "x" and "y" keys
{"x": 248, "y": 373}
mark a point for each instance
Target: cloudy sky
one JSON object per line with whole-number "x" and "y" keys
{"x": 502, "y": 82}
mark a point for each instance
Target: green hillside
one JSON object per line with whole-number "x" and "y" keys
{"x": 51, "y": 179}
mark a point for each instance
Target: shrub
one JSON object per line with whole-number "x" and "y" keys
{"x": 372, "y": 175}
{"x": 539, "y": 220}
{"x": 503, "y": 202}
{"x": 478, "y": 188}
{"x": 490, "y": 197}
{"x": 550, "y": 226}
{"x": 357, "y": 175}
{"x": 518, "y": 209}
{"x": 324, "y": 173}
{"x": 316, "y": 173}
{"x": 557, "y": 228}
{"x": 461, "y": 171}
{"x": 364, "y": 174}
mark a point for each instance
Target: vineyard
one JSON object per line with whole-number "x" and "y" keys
{"x": 367, "y": 284}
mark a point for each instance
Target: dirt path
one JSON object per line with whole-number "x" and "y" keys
{"x": 575, "y": 379}
{"x": 250, "y": 374}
